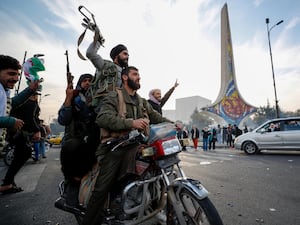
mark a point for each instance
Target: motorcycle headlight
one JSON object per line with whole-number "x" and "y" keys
{"x": 148, "y": 152}
{"x": 171, "y": 146}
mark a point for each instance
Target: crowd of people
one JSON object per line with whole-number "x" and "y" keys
{"x": 109, "y": 108}
{"x": 209, "y": 136}
{"x": 91, "y": 116}
{"x": 100, "y": 108}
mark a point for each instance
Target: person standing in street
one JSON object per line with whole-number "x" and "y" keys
{"x": 212, "y": 138}
{"x": 45, "y": 131}
{"x": 9, "y": 76}
{"x": 230, "y": 136}
{"x": 195, "y": 134}
{"x": 205, "y": 135}
{"x": 219, "y": 134}
{"x": 32, "y": 105}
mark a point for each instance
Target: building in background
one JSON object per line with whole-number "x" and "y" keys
{"x": 184, "y": 107}
{"x": 170, "y": 114}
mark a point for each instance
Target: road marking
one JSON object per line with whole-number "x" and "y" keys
{"x": 191, "y": 159}
{"x": 205, "y": 163}
{"x": 29, "y": 175}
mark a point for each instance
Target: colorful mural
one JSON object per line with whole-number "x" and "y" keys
{"x": 232, "y": 108}
{"x": 229, "y": 105}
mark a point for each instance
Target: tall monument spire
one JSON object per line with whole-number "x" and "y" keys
{"x": 229, "y": 104}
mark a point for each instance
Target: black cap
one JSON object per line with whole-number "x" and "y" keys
{"x": 116, "y": 51}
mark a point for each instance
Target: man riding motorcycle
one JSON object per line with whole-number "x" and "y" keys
{"x": 113, "y": 164}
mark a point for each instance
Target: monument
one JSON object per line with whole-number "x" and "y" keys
{"x": 229, "y": 105}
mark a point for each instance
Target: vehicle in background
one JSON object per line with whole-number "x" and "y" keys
{"x": 56, "y": 139}
{"x": 275, "y": 134}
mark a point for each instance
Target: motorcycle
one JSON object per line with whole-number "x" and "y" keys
{"x": 9, "y": 151}
{"x": 161, "y": 193}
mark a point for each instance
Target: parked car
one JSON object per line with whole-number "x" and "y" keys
{"x": 56, "y": 139}
{"x": 276, "y": 134}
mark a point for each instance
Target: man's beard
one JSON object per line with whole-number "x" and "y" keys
{"x": 11, "y": 83}
{"x": 122, "y": 62}
{"x": 132, "y": 84}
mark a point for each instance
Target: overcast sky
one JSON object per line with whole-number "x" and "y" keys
{"x": 167, "y": 40}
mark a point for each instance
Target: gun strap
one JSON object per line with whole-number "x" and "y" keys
{"x": 80, "y": 39}
{"x": 122, "y": 105}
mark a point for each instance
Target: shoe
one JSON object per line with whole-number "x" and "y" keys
{"x": 71, "y": 192}
{"x": 13, "y": 189}
{"x": 34, "y": 159}
{"x": 60, "y": 203}
{"x": 44, "y": 157}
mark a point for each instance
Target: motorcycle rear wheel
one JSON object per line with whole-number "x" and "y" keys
{"x": 197, "y": 212}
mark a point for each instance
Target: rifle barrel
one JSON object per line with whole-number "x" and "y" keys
{"x": 17, "y": 90}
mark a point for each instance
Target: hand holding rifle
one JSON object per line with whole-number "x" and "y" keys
{"x": 69, "y": 91}
{"x": 89, "y": 22}
{"x": 69, "y": 75}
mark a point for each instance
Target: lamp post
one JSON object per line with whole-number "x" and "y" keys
{"x": 269, "y": 30}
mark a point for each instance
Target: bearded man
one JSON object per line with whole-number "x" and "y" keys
{"x": 115, "y": 164}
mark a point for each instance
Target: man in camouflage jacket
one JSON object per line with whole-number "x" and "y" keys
{"x": 139, "y": 115}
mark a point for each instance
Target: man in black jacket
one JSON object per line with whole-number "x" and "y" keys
{"x": 155, "y": 99}
{"x": 29, "y": 113}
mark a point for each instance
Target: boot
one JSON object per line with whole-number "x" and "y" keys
{"x": 71, "y": 191}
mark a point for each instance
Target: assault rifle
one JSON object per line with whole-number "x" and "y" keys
{"x": 89, "y": 22}
{"x": 69, "y": 75}
{"x": 19, "y": 82}
{"x": 132, "y": 137}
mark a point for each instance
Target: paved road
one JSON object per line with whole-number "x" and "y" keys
{"x": 247, "y": 190}
{"x": 35, "y": 205}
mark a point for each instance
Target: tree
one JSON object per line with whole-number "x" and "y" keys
{"x": 264, "y": 113}
{"x": 290, "y": 113}
{"x": 200, "y": 119}
{"x": 267, "y": 112}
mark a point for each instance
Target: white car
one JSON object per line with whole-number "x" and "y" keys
{"x": 276, "y": 134}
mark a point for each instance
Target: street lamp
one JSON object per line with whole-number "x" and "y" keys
{"x": 269, "y": 30}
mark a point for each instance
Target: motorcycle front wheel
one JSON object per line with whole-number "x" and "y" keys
{"x": 197, "y": 212}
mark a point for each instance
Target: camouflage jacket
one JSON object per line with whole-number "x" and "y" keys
{"x": 136, "y": 107}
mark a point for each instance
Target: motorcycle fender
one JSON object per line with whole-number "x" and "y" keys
{"x": 193, "y": 186}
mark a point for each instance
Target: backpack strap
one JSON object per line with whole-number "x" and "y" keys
{"x": 122, "y": 105}
{"x": 143, "y": 106}
{"x": 107, "y": 135}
